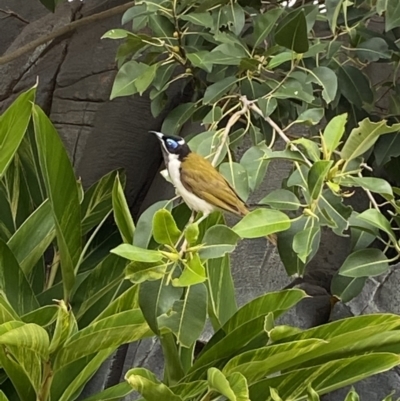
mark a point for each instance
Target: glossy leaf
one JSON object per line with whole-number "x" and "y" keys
{"x": 33, "y": 237}
{"x": 165, "y": 230}
{"x": 177, "y": 117}
{"x": 347, "y": 288}
{"x": 218, "y": 240}
{"x": 374, "y": 217}
{"x": 187, "y": 317}
{"x": 264, "y": 23}
{"x": 256, "y": 166}
{"x": 316, "y": 177}
{"x": 333, "y": 133}
{"x": 306, "y": 242}
{"x": 137, "y": 254}
{"x": 14, "y": 283}
{"x": 144, "y": 226}
{"x": 364, "y": 136}
{"x": 327, "y": 79}
{"x": 236, "y": 175}
{"x": 63, "y": 193}
{"x": 193, "y": 273}
{"x": 365, "y": 263}
{"x": 292, "y": 32}
{"x": 122, "y": 214}
{"x": 373, "y": 184}
{"x": 261, "y": 222}
{"x": 13, "y": 125}
{"x": 217, "y": 382}
{"x": 146, "y": 383}
{"x": 281, "y": 199}
{"x": 215, "y": 91}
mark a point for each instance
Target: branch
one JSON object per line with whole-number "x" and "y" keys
{"x": 64, "y": 30}
{"x": 11, "y": 13}
{"x": 231, "y": 122}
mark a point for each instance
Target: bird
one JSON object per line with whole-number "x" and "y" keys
{"x": 202, "y": 187}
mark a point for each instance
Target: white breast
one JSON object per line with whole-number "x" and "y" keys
{"x": 193, "y": 201}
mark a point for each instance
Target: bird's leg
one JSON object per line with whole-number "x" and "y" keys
{"x": 202, "y": 218}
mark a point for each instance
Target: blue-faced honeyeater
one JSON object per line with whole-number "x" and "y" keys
{"x": 202, "y": 187}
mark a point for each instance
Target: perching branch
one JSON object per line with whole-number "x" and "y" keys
{"x": 10, "y": 13}
{"x": 64, "y": 30}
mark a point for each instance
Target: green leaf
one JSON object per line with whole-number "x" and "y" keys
{"x": 267, "y": 106}
{"x": 352, "y": 396}
{"x": 156, "y": 298}
{"x": 387, "y": 147}
{"x": 377, "y": 185}
{"x": 316, "y": 177}
{"x": 306, "y": 242}
{"x": 364, "y": 136}
{"x": 292, "y": 32}
{"x": 43, "y": 316}
{"x": 125, "y": 80}
{"x": 215, "y": 91}
{"x": 144, "y": 226}
{"x": 355, "y": 86}
{"x": 392, "y": 15}
{"x": 177, "y": 117}
{"x": 114, "y": 393}
{"x": 14, "y": 283}
{"x": 263, "y": 25}
{"x": 110, "y": 332}
{"x": 138, "y": 272}
{"x": 194, "y": 273}
{"x": 146, "y": 383}
{"x": 137, "y": 254}
{"x": 281, "y": 199}
{"x": 365, "y": 263}
{"x": 187, "y": 317}
{"x": 65, "y": 326}
{"x": 311, "y": 148}
{"x": 333, "y": 8}
{"x": 97, "y": 201}
{"x": 311, "y": 116}
{"x": 217, "y": 382}
{"x": 327, "y": 79}
{"x": 218, "y": 240}
{"x": 221, "y": 291}
{"x": 116, "y": 34}
{"x": 333, "y": 133}
{"x": 13, "y": 124}
{"x": 324, "y": 378}
{"x": 262, "y": 222}
{"x": 346, "y": 288}
{"x": 143, "y": 81}
{"x": 377, "y": 219}
{"x": 373, "y": 49}
{"x": 33, "y": 237}
{"x": 256, "y": 166}
{"x": 122, "y": 214}
{"x": 202, "y": 19}
{"x": 165, "y": 230}
{"x": 201, "y": 60}
{"x": 236, "y": 175}
{"x": 63, "y": 193}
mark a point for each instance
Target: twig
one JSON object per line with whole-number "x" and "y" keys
{"x": 64, "y": 30}
{"x": 231, "y": 122}
{"x": 279, "y": 131}
{"x": 11, "y": 13}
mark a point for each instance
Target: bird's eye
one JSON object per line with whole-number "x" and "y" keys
{"x": 171, "y": 144}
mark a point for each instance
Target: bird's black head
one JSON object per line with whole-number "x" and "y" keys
{"x": 173, "y": 145}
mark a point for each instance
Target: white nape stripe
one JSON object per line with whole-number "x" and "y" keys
{"x": 193, "y": 201}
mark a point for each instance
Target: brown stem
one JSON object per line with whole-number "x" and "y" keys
{"x": 64, "y": 30}
{"x": 11, "y": 13}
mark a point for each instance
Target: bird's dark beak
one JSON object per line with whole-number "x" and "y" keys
{"x": 158, "y": 134}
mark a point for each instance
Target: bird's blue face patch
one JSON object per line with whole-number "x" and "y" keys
{"x": 171, "y": 144}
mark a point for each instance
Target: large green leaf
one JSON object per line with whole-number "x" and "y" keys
{"x": 333, "y": 133}
{"x": 13, "y": 124}
{"x": 114, "y": 393}
{"x": 256, "y": 166}
{"x": 165, "y": 230}
{"x": 262, "y": 222}
{"x": 156, "y": 298}
{"x": 33, "y": 237}
{"x": 137, "y": 254}
{"x": 102, "y": 279}
{"x": 215, "y": 91}
{"x": 221, "y": 291}
{"x": 281, "y": 199}
{"x": 392, "y": 15}
{"x": 63, "y": 193}
{"x": 316, "y": 177}
{"x": 218, "y": 240}
{"x": 292, "y": 31}
{"x": 236, "y": 175}
{"x": 146, "y": 383}
{"x": 365, "y": 263}
{"x": 364, "y": 136}
{"x": 325, "y": 378}
{"x": 110, "y": 332}
{"x": 377, "y": 219}
{"x": 122, "y": 215}
{"x": 14, "y": 283}
{"x": 327, "y": 79}
{"x": 177, "y": 118}
{"x": 97, "y": 202}
{"x": 187, "y": 317}
{"x": 264, "y": 23}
